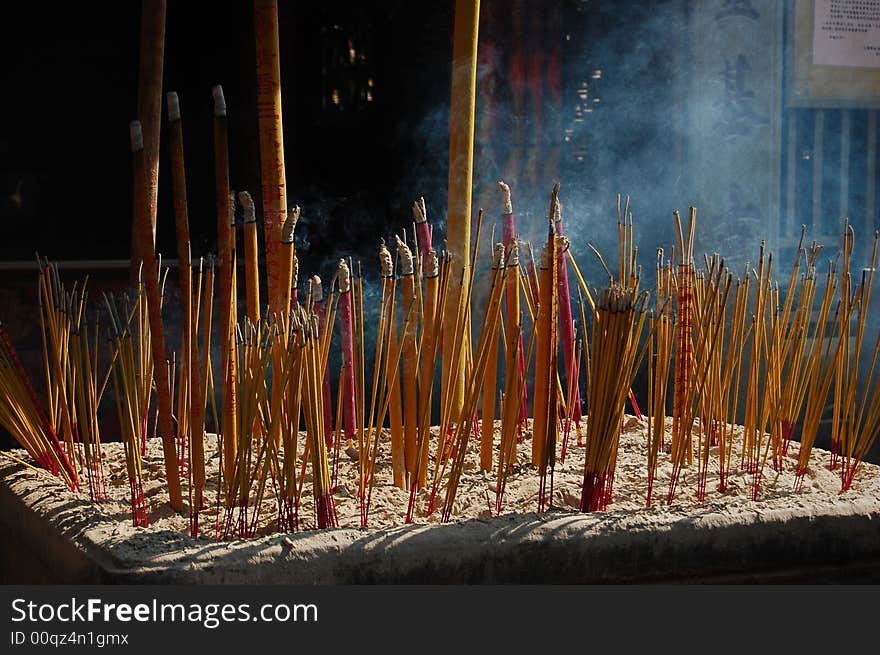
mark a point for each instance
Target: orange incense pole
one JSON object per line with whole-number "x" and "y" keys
{"x": 543, "y": 375}
{"x": 271, "y": 147}
{"x": 410, "y": 358}
{"x": 189, "y": 340}
{"x": 149, "y": 108}
{"x": 146, "y": 253}
{"x": 461, "y": 163}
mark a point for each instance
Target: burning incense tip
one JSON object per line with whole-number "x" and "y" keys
{"x": 294, "y": 271}
{"x": 316, "y": 289}
{"x": 173, "y": 106}
{"x": 405, "y": 255}
{"x": 386, "y": 266}
{"x": 247, "y": 204}
{"x": 432, "y": 268}
{"x": 290, "y": 225}
{"x": 219, "y": 101}
{"x": 557, "y": 210}
{"x": 506, "y": 204}
{"x": 498, "y": 255}
{"x": 344, "y": 277}
{"x": 420, "y": 213}
{"x": 232, "y": 208}
{"x": 137, "y": 136}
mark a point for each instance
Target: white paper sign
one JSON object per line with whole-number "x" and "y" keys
{"x": 846, "y": 33}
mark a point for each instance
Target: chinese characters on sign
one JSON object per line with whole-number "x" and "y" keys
{"x": 846, "y": 33}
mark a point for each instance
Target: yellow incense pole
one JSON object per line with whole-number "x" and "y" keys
{"x": 271, "y": 148}
{"x": 461, "y": 168}
{"x": 252, "y": 269}
{"x": 149, "y": 107}
{"x": 147, "y": 254}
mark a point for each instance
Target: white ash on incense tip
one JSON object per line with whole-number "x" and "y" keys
{"x": 506, "y": 203}
{"x": 432, "y": 267}
{"x": 386, "y": 265}
{"x": 136, "y": 134}
{"x": 173, "y": 106}
{"x": 513, "y": 253}
{"x": 316, "y": 289}
{"x": 498, "y": 255}
{"x": 219, "y": 101}
{"x": 247, "y": 205}
{"x": 405, "y": 255}
{"x": 344, "y": 276}
{"x": 420, "y": 213}
{"x": 289, "y": 225}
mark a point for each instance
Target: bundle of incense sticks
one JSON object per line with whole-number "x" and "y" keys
{"x": 711, "y": 292}
{"x": 617, "y": 327}
{"x": 683, "y": 354}
{"x": 546, "y": 414}
{"x": 71, "y": 370}
{"x": 25, "y": 418}
{"x": 859, "y": 426}
{"x": 128, "y": 341}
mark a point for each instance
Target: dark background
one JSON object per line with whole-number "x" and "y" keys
{"x": 70, "y": 89}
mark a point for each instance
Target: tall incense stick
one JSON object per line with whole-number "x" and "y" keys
{"x": 461, "y": 163}
{"x": 157, "y": 335}
{"x": 271, "y": 146}
{"x": 149, "y": 108}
